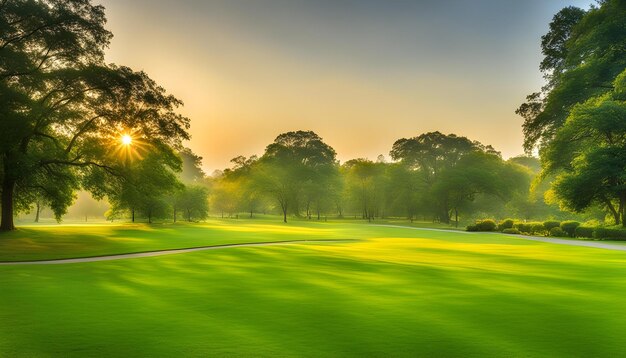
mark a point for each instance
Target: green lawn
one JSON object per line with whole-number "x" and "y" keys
{"x": 395, "y": 292}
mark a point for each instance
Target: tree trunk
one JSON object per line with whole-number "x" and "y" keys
{"x": 616, "y": 213}
{"x": 132, "y": 212}
{"x": 38, "y": 210}
{"x": 456, "y": 217}
{"x": 622, "y": 206}
{"x": 8, "y": 187}
{"x": 174, "y": 214}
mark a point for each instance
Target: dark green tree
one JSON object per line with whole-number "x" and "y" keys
{"x": 431, "y": 154}
{"x": 584, "y": 52}
{"x": 478, "y": 173}
{"x": 294, "y": 163}
{"x": 588, "y": 154}
{"x": 146, "y": 184}
{"x": 63, "y": 110}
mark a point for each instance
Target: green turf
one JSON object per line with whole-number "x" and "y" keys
{"x": 397, "y": 292}
{"x": 52, "y": 241}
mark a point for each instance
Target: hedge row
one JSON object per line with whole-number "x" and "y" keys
{"x": 550, "y": 228}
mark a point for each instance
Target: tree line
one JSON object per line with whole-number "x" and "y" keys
{"x": 433, "y": 176}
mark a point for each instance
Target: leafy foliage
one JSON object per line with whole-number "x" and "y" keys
{"x": 63, "y": 108}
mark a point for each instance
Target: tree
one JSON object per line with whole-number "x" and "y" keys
{"x": 63, "y": 109}
{"x": 191, "y": 172}
{"x": 478, "y": 173}
{"x": 225, "y": 196}
{"x": 146, "y": 184}
{"x": 193, "y": 201}
{"x": 365, "y": 184}
{"x": 588, "y": 154}
{"x": 431, "y": 154}
{"x": 294, "y": 162}
{"x": 584, "y": 52}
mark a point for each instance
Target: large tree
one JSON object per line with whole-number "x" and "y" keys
{"x": 63, "y": 110}
{"x": 430, "y": 155}
{"x": 589, "y": 154}
{"x": 297, "y": 162}
{"x": 583, "y": 51}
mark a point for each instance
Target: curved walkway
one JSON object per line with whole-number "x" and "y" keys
{"x": 424, "y": 228}
{"x": 551, "y": 240}
{"x": 159, "y": 253}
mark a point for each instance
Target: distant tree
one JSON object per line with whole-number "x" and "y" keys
{"x": 296, "y": 162}
{"x": 193, "y": 201}
{"x": 250, "y": 198}
{"x": 225, "y": 196}
{"x": 478, "y": 173}
{"x": 63, "y": 109}
{"x": 146, "y": 184}
{"x": 191, "y": 172}
{"x": 406, "y": 192}
{"x": 431, "y": 154}
{"x": 365, "y": 185}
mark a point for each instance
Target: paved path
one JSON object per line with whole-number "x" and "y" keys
{"x": 425, "y": 229}
{"x": 552, "y": 240}
{"x": 161, "y": 252}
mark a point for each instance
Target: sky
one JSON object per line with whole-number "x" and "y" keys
{"x": 360, "y": 73}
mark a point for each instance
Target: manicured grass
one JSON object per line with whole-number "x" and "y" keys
{"x": 397, "y": 292}
{"x": 52, "y": 241}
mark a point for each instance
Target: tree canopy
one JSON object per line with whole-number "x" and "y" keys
{"x": 584, "y": 52}
{"x": 589, "y": 154}
{"x": 63, "y": 109}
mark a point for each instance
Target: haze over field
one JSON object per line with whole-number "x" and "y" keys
{"x": 249, "y": 70}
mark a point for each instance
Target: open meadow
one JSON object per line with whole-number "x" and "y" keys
{"x": 383, "y": 291}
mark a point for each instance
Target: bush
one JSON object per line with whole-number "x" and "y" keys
{"x": 606, "y": 233}
{"x": 549, "y": 225}
{"x": 569, "y": 227}
{"x": 505, "y": 224}
{"x": 538, "y": 229}
{"x": 486, "y": 225}
{"x": 524, "y": 227}
{"x": 584, "y": 231}
{"x": 557, "y": 232}
{"x": 511, "y": 231}
{"x": 483, "y": 225}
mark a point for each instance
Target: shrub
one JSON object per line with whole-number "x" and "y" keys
{"x": 511, "y": 231}
{"x": 523, "y": 227}
{"x": 557, "y": 232}
{"x": 569, "y": 227}
{"x": 486, "y": 225}
{"x": 505, "y": 224}
{"x": 606, "y": 233}
{"x": 584, "y": 231}
{"x": 483, "y": 225}
{"x": 538, "y": 229}
{"x": 551, "y": 224}
{"x": 599, "y": 233}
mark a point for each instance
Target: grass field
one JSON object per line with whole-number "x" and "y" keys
{"x": 394, "y": 292}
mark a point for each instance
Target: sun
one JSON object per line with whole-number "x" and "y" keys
{"x": 127, "y": 139}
